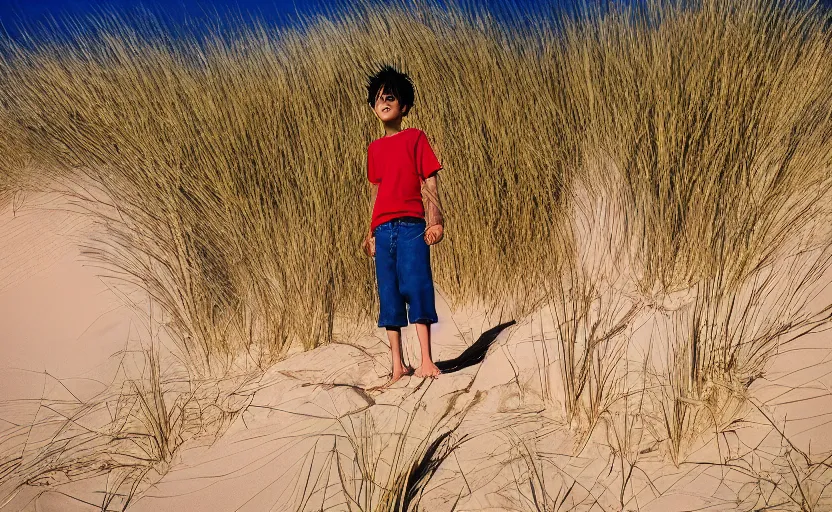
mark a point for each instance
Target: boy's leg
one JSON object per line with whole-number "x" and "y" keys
{"x": 392, "y": 313}
{"x": 428, "y": 367}
{"x": 394, "y": 336}
{"x": 416, "y": 284}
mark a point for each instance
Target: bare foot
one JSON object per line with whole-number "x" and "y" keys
{"x": 428, "y": 369}
{"x": 406, "y": 370}
{"x": 395, "y": 376}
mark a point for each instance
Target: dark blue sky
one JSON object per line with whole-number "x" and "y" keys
{"x": 180, "y": 10}
{"x": 195, "y": 12}
{"x": 198, "y": 13}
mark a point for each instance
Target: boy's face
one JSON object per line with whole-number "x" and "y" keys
{"x": 387, "y": 106}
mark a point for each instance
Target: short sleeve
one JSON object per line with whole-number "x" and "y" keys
{"x": 372, "y": 172}
{"x": 426, "y": 162}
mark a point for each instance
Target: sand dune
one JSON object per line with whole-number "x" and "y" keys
{"x": 61, "y": 325}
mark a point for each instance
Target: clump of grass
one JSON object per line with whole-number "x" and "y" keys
{"x": 591, "y": 310}
{"x": 385, "y": 470}
{"x": 130, "y": 431}
{"x": 628, "y": 436}
{"x": 74, "y": 443}
{"x": 727, "y": 337}
{"x": 729, "y": 146}
{"x": 590, "y": 343}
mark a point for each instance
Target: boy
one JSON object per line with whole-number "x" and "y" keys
{"x": 399, "y": 165}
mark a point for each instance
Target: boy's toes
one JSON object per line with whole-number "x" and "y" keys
{"x": 425, "y": 373}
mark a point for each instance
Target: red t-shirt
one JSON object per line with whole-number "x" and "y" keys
{"x": 399, "y": 163}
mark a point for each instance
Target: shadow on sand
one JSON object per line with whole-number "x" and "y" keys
{"x": 475, "y": 353}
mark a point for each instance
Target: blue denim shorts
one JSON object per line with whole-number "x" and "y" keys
{"x": 403, "y": 273}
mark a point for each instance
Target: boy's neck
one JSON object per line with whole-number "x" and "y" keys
{"x": 392, "y": 128}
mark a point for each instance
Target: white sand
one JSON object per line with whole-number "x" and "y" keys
{"x": 58, "y": 320}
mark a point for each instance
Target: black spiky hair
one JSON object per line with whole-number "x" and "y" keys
{"x": 394, "y": 82}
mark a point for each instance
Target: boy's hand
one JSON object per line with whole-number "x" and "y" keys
{"x": 369, "y": 245}
{"x": 434, "y": 234}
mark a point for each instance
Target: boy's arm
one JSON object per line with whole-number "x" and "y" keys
{"x": 373, "y": 194}
{"x": 431, "y": 191}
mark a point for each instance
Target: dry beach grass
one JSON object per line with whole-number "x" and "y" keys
{"x": 669, "y": 166}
